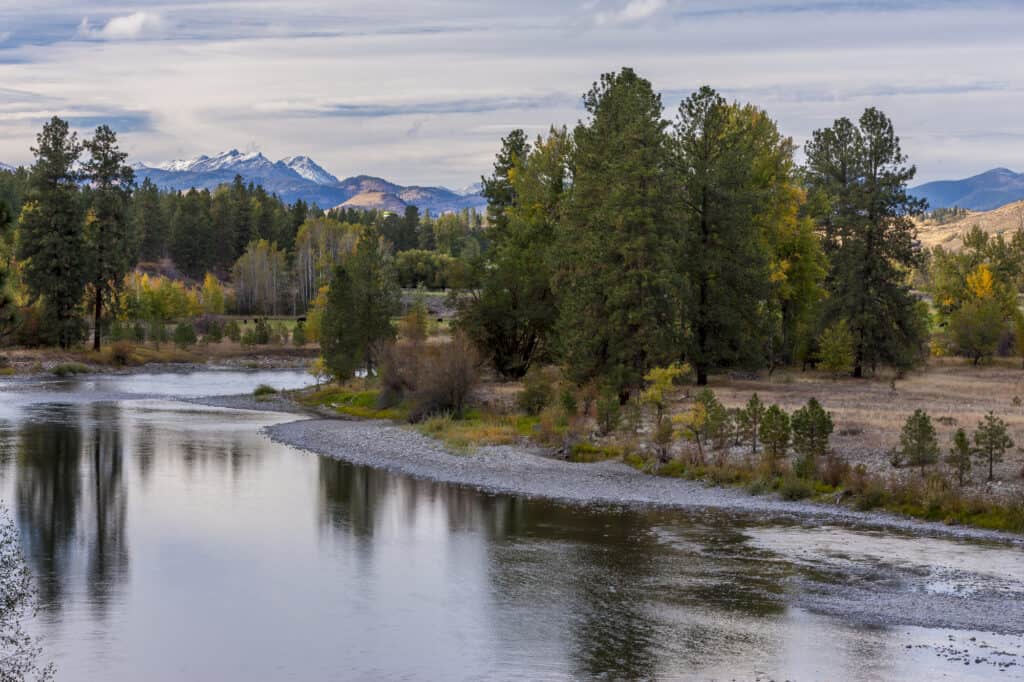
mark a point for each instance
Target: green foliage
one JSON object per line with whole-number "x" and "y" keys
{"x": 51, "y": 242}
{"x": 857, "y": 181}
{"x": 976, "y": 328}
{"x": 109, "y": 236}
{"x": 748, "y": 421}
{"x": 68, "y": 369}
{"x": 795, "y": 488}
{"x": 836, "y": 349}
{"x": 263, "y": 391}
{"x": 233, "y": 331}
{"x": 706, "y": 423}
{"x": 184, "y": 335}
{"x": 360, "y": 304}
{"x": 959, "y": 456}
{"x": 299, "y": 335}
{"x": 613, "y": 252}
{"x": 734, "y": 166}
{"x": 512, "y": 315}
{"x": 812, "y": 427}
{"x": 609, "y": 412}
{"x": 992, "y": 441}
{"x": 538, "y": 390}
{"x": 918, "y": 443}
{"x": 775, "y": 434}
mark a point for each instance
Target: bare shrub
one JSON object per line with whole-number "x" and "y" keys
{"x": 446, "y": 376}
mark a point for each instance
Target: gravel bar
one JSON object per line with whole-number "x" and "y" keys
{"x": 519, "y": 471}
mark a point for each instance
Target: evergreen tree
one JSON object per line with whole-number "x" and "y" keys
{"x": 110, "y": 239}
{"x": 731, "y": 162}
{"x": 511, "y": 316}
{"x": 959, "y": 456}
{"x": 775, "y": 434}
{"x": 812, "y": 427}
{"x": 749, "y": 420}
{"x": 499, "y": 189}
{"x": 918, "y": 444}
{"x": 151, "y": 224}
{"x": 614, "y": 277}
{"x": 836, "y": 349}
{"x": 362, "y": 299}
{"x": 191, "y": 236}
{"x": 992, "y": 441}
{"x": 858, "y": 181}
{"x": 7, "y": 309}
{"x": 52, "y": 243}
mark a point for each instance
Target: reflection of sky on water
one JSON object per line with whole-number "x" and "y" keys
{"x": 175, "y": 542}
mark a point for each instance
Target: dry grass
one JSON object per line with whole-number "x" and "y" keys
{"x": 1004, "y": 220}
{"x": 869, "y": 414}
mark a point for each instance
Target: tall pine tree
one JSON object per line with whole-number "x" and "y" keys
{"x": 363, "y": 297}
{"x": 614, "y": 280}
{"x": 52, "y": 242}
{"x": 857, "y": 176}
{"x": 110, "y": 239}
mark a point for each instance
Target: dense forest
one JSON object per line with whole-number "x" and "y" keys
{"x": 633, "y": 241}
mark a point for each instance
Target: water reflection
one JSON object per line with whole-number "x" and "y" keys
{"x": 175, "y": 542}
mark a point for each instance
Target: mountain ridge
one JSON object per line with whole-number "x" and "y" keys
{"x": 983, "y": 192}
{"x": 295, "y": 178}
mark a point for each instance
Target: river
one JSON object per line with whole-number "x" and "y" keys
{"x": 172, "y": 541}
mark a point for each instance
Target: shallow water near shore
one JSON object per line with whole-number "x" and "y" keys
{"x": 175, "y": 541}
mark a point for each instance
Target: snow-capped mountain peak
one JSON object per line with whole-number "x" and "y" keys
{"x": 5, "y": 167}
{"x": 309, "y": 169}
{"x": 229, "y": 160}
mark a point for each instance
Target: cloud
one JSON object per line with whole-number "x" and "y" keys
{"x": 128, "y": 27}
{"x": 632, "y": 11}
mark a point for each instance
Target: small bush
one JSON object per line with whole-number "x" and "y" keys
{"x": 68, "y": 369}
{"x": 233, "y": 331}
{"x": 794, "y": 488}
{"x": 121, "y": 353}
{"x": 263, "y": 391}
{"x": 184, "y": 335}
{"x": 538, "y": 388}
{"x": 446, "y": 376}
{"x": 299, "y": 335}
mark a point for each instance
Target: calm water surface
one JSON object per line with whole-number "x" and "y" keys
{"x": 174, "y": 542}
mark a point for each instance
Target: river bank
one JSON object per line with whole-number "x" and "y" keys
{"x": 527, "y": 472}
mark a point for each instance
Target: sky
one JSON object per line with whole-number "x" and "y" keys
{"x": 420, "y": 92}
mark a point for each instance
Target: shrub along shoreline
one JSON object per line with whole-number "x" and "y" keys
{"x": 758, "y": 448}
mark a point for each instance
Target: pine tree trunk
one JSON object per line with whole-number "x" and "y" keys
{"x": 96, "y": 319}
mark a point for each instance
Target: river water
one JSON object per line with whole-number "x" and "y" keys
{"x": 172, "y": 541}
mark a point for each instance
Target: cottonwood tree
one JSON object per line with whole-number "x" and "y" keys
{"x": 109, "y": 236}
{"x": 857, "y": 176}
{"x": 614, "y": 277}
{"x": 51, "y": 241}
{"x": 512, "y": 314}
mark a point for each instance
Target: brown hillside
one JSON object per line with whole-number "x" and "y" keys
{"x": 381, "y": 201}
{"x": 1004, "y": 220}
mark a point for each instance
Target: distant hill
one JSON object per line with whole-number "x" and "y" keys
{"x": 984, "y": 192}
{"x": 299, "y": 177}
{"x": 5, "y": 167}
{"x": 381, "y": 201}
{"x": 1004, "y": 220}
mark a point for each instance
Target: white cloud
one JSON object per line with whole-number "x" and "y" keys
{"x": 128, "y": 27}
{"x": 634, "y": 10}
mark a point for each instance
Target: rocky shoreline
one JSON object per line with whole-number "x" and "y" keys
{"x": 527, "y": 473}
